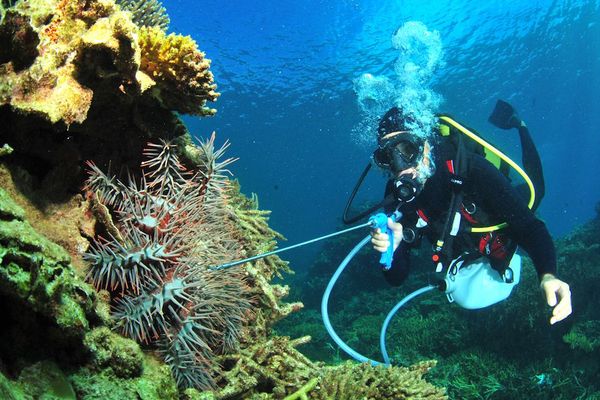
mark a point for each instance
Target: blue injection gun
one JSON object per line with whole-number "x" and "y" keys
{"x": 380, "y": 221}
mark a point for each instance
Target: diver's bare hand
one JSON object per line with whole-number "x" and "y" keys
{"x": 557, "y": 291}
{"x": 380, "y": 240}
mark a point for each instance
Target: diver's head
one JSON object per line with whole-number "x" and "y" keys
{"x": 402, "y": 153}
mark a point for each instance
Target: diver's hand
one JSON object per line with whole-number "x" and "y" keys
{"x": 555, "y": 291}
{"x": 380, "y": 239}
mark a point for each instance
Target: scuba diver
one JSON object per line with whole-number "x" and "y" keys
{"x": 445, "y": 186}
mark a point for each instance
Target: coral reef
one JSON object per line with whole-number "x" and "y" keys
{"x": 49, "y": 313}
{"x": 158, "y": 265}
{"x": 84, "y": 87}
{"x": 56, "y": 54}
{"x": 146, "y": 12}
{"x": 180, "y": 71}
{"x": 49, "y": 45}
{"x": 71, "y": 88}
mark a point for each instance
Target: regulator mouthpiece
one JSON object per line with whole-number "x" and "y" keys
{"x": 406, "y": 189}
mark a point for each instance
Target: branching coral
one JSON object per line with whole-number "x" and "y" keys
{"x": 183, "y": 80}
{"x": 170, "y": 236}
{"x": 274, "y": 365}
{"x": 362, "y": 381}
{"x": 146, "y": 12}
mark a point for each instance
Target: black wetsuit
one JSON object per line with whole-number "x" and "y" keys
{"x": 491, "y": 192}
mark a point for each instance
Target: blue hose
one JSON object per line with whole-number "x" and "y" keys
{"x": 391, "y": 314}
{"x": 325, "y": 314}
{"x": 325, "y": 300}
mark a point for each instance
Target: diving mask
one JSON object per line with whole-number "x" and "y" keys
{"x": 398, "y": 152}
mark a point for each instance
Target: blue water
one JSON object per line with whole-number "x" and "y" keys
{"x": 285, "y": 70}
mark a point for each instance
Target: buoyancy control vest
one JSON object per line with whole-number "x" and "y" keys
{"x": 466, "y": 227}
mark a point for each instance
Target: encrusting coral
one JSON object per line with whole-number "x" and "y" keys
{"x": 37, "y": 272}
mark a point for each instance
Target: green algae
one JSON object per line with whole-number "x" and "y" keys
{"x": 40, "y": 381}
{"x": 46, "y": 381}
{"x": 8, "y": 208}
{"x": 37, "y": 271}
{"x": 110, "y": 350}
{"x": 10, "y": 390}
{"x": 155, "y": 383}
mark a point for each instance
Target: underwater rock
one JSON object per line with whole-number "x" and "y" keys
{"x": 110, "y": 350}
{"x": 37, "y": 272}
{"x": 155, "y": 383}
{"x": 43, "y": 380}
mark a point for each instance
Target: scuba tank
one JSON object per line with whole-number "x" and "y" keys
{"x": 475, "y": 284}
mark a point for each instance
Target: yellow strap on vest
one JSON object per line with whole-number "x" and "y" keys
{"x": 502, "y": 156}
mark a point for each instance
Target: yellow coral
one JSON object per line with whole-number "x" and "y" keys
{"x": 183, "y": 80}
{"x": 76, "y": 41}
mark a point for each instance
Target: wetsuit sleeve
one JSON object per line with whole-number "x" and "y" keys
{"x": 400, "y": 265}
{"x": 500, "y": 199}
